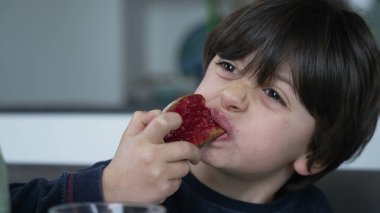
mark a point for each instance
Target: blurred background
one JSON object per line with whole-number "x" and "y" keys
{"x": 72, "y": 71}
{"x": 114, "y": 55}
{"x": 96, "y": 55}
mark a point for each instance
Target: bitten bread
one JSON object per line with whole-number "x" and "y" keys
{"x": 198, "y": 126}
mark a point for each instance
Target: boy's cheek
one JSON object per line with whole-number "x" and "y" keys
{"x": 205, "y": 88}
{"x": 200, "y": 90}
{"x": 206, "y": 95}
{"x": 210, "y": 86}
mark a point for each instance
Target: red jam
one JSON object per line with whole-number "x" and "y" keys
{"x": 197, "y": 124}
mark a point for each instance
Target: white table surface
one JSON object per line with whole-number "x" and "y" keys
{"x": 85, "y": 138}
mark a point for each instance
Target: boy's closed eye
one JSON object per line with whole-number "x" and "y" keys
{"x": 273, "y": 94}
{"x": 228, "y": 68}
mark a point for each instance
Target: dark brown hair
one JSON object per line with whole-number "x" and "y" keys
{"x": 334, "y": 62}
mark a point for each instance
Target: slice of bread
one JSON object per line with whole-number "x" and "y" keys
{"x": 198, "y": 127}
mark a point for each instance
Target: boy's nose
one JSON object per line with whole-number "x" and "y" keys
{"x": 235, "y": 97}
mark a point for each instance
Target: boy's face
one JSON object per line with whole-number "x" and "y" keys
{"x": 268, "y": 129}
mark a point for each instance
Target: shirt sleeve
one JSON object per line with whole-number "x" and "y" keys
{"x": 40, "y": 194}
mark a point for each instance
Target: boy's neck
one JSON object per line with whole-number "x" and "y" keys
{"x": 257, "y": 190}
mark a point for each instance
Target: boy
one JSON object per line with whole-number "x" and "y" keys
{"x": 294, "y": 83}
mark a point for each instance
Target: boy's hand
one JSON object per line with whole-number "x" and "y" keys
{"x": 145, "y": 169}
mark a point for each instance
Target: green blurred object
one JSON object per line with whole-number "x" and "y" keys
{"x": 214, "y": 15}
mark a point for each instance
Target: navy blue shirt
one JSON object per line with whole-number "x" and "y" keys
{"x": 192, "y": 197}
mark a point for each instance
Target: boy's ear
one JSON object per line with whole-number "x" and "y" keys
{"x": 300, "y": 166}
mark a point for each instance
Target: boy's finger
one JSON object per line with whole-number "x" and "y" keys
{"x": 181, "y": 150}
{"x": 159, "y": 127}
{"x": 139, "y": 121}
{"x": 178, "y": 170}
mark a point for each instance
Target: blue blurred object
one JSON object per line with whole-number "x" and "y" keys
{"x": 191, "y": 52}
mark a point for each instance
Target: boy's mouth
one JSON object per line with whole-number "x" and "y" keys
{"x": 222, "y": 120}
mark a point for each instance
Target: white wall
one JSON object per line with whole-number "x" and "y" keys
{"x": 82, "y": 139}
{"x": 71, "y": 139}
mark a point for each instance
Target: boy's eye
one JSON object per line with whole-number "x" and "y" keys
{"x": 274, "y": 95}
{"x": 227, "y": 66}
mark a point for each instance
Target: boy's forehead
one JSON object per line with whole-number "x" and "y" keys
{"x": 284, "y": 73}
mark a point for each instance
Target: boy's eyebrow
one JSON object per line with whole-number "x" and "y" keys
{"x": 284, "y": 78}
